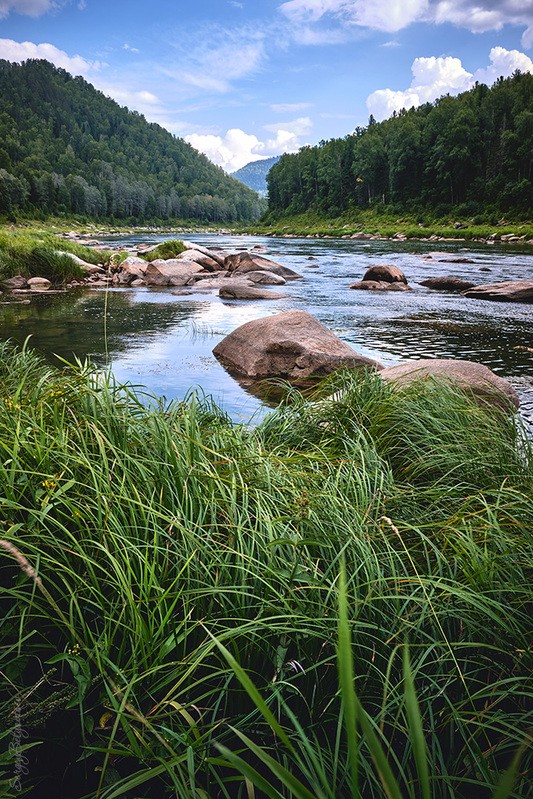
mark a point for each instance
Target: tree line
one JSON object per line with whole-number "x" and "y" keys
{"x": 67, "y": 148}
{"x": 473, "y": 152}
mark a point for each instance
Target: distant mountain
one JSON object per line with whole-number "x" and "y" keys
{"x": 254, "y": 174}
{"x": 67, "y": 148}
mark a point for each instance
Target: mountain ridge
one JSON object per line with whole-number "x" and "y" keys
{"x": 67, "y": 148}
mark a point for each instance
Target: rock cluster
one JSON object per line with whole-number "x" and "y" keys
{"x": 296, "y": 346}
{"x": 237, "y": 276}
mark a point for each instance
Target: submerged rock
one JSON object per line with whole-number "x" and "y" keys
{"x": 475, "y": 378}
{"x": 379, "y": 285}
{"x": 292, "y": 344}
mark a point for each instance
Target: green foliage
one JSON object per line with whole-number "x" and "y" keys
{"x": 172, "y": 617}
{"x": 463, "y": 152}
{"x": 42, "y": 255}
{"x": 68, "y": 149}
{"x": 167, "y": 249}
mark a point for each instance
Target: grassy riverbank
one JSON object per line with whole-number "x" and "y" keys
{"x": 174, "y": 617}
{"x": 383, "y": 222}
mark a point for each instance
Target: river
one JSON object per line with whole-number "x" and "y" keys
{"x": 163, "y": 342}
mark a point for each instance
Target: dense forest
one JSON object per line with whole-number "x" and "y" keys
{"x": 67, "y": 148}
{"x": 473, "y": 153}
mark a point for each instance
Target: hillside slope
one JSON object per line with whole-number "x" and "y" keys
{"x": 65, "y": 147}
{"x": 255, "y": 174}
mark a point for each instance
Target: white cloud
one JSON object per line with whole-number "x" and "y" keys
{"x": 231, "y": 151}
{"x": 390, "y": 16}
{"x": 31, "y": 8}
{"x": 298, "y": 127}
{"x": 433, "y": 77}
{"x": 237, "y": 148}
{"x": 131, "y": 49}
{"x": 21, "y": 51}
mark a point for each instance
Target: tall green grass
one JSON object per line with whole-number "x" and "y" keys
{"x": 33, "y": 254}
{"x": 335, "y": 603}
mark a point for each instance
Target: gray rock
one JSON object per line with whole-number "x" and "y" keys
{"x": 244, "y": 262}
{"x": 508, "y": 291}
{"x": 266, "y": 278}
{"x": 195, "y": 256}
{"x": 170, "y": 273}
{"x": 217, "y": 256}
{"x": 475, "y": 378}
{"x": 292, "y": 344}
{"x": 448, "y": 283}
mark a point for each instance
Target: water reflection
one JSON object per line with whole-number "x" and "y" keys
{"x": 164, "y": 341}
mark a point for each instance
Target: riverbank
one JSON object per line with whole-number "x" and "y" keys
{"x": 173, "y": 617}
{"x": 367, "y": 224}
{"x": 373, "y": 224}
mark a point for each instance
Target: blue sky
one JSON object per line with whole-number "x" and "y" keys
{"x": 246, "y": 79}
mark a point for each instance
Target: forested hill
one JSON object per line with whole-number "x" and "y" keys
{"x": 255, "y": 174}
{"x": 65, "y": 147}
{"x": 473, "y": 152}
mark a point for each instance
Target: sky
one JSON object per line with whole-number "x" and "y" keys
{"x": 243, "y": 80}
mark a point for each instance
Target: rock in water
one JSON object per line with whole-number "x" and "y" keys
{"x": 508, "y": 291}
{"x": 172, "y": 272}
{"x": 379, "y": 285}
{"x": 241, "y": 292}
{"x": 292, "y": 344}
{"x": 448, "y": 283}
{"x": 244, "y": 262}
{"x": 266, "y": 278}
{"x": 385, "y": 273}
{"x": 474, "y": 378}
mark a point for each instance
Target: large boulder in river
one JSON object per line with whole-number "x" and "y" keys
{"x": 292, "y": 344}
{"x": 447, "y": 283}
{"x": 199, "y": 257}
{"x": 216, "y": 255}
{"x": 385, "y": 273}
{"x": 508, "y": 291}
{"x": 243, "y": 262}
{"x": 172, "y": 272}
{"x": 474, "y": 378}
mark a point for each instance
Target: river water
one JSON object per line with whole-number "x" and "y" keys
{"x": 163, "y": 342}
